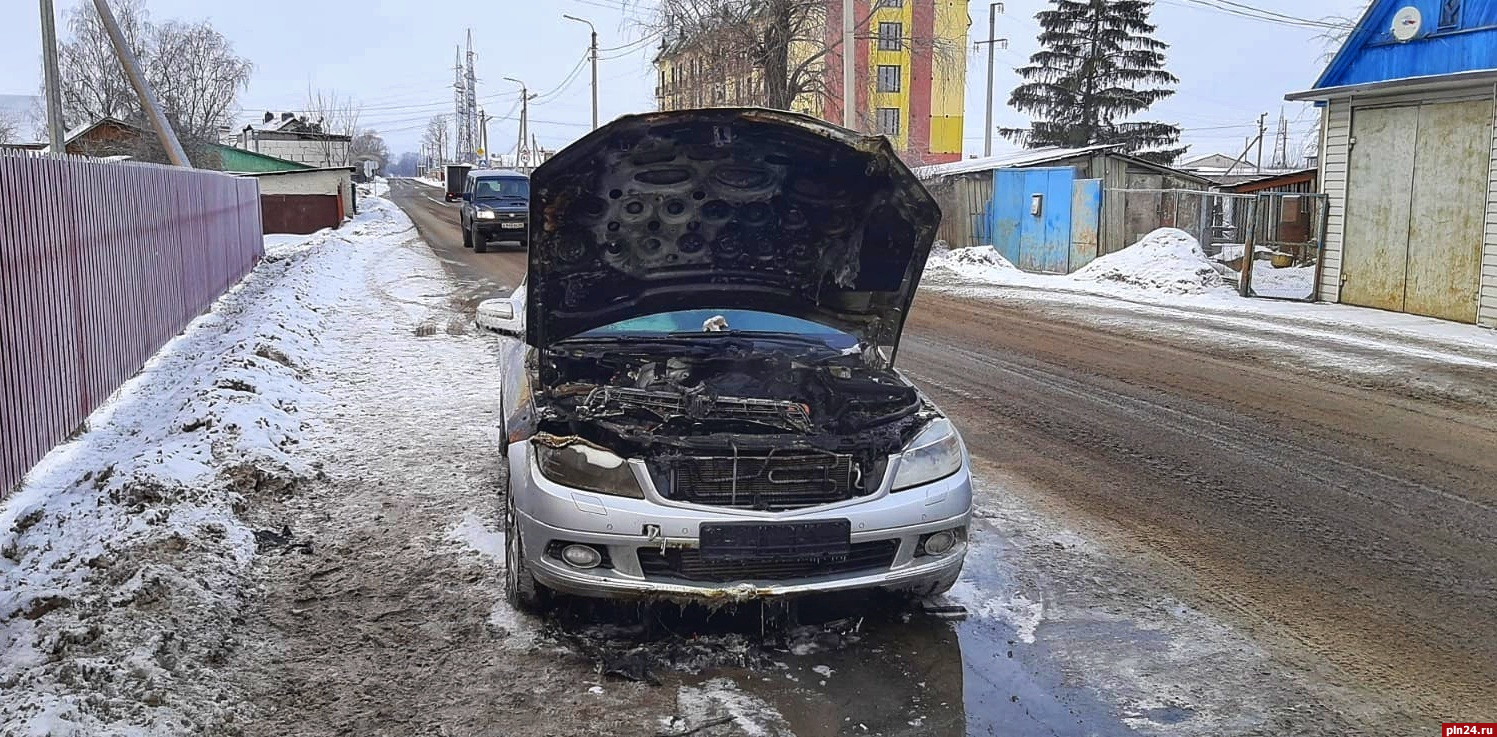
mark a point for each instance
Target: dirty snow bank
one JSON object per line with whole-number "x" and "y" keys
{"x": 124, "y": 555}
{"x": 1167, "y": 260}
{"x": 977, "y": 262}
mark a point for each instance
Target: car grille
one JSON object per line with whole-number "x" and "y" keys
{"x": 689, "y": 565}
{"x": 774, "y": 482}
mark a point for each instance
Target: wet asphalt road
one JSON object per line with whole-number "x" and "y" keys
{"x": 1347, "y": 529}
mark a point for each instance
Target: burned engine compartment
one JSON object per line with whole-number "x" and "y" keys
{"x": 808, "y": 424}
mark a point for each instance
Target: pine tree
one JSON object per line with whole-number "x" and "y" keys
{"x": 1096, "y": 67}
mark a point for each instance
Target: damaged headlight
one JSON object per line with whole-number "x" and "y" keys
{"x": 582, "y": 465}
{"x": 933, "y": 455}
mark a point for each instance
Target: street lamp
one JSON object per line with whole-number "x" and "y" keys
{"x": 594, "y": 52}
{"x": 521, "y": 158}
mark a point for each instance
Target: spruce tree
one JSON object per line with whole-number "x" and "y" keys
{"x": 1097, "y": 66}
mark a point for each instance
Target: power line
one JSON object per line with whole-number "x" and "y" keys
{"x": 1255, "y": 13}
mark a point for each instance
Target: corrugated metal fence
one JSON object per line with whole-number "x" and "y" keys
{"x": 100, "y": 265}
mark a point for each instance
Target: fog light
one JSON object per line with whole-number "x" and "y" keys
{"x": 940, "y": 543}
{"x": 581, "y": 556}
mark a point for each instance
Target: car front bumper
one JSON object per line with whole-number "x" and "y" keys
{"x": 550, "y": 514}
{"x": 494, "y": 230}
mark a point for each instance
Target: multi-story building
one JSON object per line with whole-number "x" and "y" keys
{"x": 909, "y": 61}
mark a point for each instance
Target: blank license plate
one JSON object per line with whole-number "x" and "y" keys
{"x": 511, "y": 226}
{"x": 820, "y": 540}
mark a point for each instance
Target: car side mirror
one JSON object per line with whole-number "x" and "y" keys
{"x": 467, "y": 197}
{"x": 505, "y": 316}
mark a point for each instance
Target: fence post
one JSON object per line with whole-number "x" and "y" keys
{"x": 1245, "y": 279}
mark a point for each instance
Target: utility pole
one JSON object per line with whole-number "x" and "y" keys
{"x": 594, "y": 56}
{"x": 1262, "y": 129}
{"x": 992, "y": 42}
{"x": 483, "y": 121}
{"x": 55, "y": 131}
{"x": 521, "y": 158}
{"x": 164, "y": 132}
{"x": 849, "y": 96}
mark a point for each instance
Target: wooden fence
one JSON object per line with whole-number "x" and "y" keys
{"x": 100, "y": 265}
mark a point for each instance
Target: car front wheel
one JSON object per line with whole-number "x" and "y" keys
{"x": 467, "y": 238}
{"x": 520, "y": 588}
{"x": 480, "y": 245}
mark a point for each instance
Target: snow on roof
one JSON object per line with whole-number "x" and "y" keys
{"x": 1028, "y": 157}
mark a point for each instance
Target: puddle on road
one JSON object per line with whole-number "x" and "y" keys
{"x": 847, "y": 665}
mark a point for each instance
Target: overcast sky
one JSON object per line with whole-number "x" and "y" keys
{"x": 395, "y": 57}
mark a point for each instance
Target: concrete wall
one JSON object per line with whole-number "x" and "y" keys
{"x": 311, "y": 152}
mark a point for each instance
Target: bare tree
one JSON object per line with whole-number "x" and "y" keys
{"x": 191, "y": 67}
{"x": 436, "y": 137}
{"x": 781, "y": 45}
{"x": 8, "y": 128}
{"x": 337, "y": 117}
{"x": 368, "y": 145}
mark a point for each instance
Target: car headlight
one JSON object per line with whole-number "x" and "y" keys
{"x": 485, "y": 214}
{"x": 933, "y": 455}
{"x": 582, "y": 465}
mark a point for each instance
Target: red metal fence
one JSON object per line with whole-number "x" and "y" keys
{"x": 100, "y": 265}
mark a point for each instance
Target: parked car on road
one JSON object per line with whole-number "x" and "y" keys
{"x": 496, "y": 207}
{"x": 703, "y": 404}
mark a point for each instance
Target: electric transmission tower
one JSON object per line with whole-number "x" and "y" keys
{"x": 1281, "y": 145}
{"x": 459, "y": 103}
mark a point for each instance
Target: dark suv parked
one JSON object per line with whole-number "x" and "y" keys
{"x": 496, "y": 207}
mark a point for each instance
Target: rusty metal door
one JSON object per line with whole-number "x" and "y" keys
{"x": 1449, "y": 209}
{"x": 1376, "y": 251}
{"x": 1086, "y": 219}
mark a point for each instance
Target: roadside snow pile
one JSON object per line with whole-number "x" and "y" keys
{"x": 976, "y": 262}
{"x": 124, "y": 555}
{"x": 1167, "y": 260}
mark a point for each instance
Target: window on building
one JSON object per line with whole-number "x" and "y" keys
{"x": 891, "y": 3}
{"x": 890, "y": 36}
{"x": 1450, "y": 14}
{"x": 888, "y": 121}
{"x": 888, "y": 77}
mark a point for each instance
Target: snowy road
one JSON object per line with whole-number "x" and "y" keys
{"x": 1211, "y": 520}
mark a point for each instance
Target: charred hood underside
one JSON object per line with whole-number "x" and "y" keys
{"x": 723, "y": 209}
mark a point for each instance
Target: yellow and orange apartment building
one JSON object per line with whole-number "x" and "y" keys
{"x": 910, "y": 74}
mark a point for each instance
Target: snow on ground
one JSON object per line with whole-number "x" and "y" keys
{"x": 1167, "y": 261}
{"x": 1293, "y": 282}
{"x": 430, "y": 182}
{"x": 122, "y": 553}
{"x": 719, "y": 701}
{"x": 1165, "y": 283}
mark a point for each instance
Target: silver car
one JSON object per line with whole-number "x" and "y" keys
{"x": 702, "y": 406}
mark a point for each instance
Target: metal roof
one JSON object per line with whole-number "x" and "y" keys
{"x": 1027, "y": 157}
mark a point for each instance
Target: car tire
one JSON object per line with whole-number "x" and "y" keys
{"x": 520, "y": 587}
{"x": 467, "y": 235}
{"x": 479, "y": 244}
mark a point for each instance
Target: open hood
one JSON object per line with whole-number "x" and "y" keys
{"x": 726, "y": 208}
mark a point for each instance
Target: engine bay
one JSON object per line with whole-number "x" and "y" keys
{"x": 657, "y": 398}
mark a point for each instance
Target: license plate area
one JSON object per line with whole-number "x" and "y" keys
{"x": 821, "y": 540}
{"x": 511, "y": 226}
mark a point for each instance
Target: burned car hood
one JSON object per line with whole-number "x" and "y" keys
{"x": 726, "y": 209}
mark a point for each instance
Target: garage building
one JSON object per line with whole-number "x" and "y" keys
{"x": 1407, "y": 161}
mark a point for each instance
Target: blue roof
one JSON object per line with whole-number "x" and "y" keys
{"x": 1464, "y": 41}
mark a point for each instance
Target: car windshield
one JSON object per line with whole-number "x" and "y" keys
{"x": 496, "y": 188}
{"x": 685, "y": 322}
